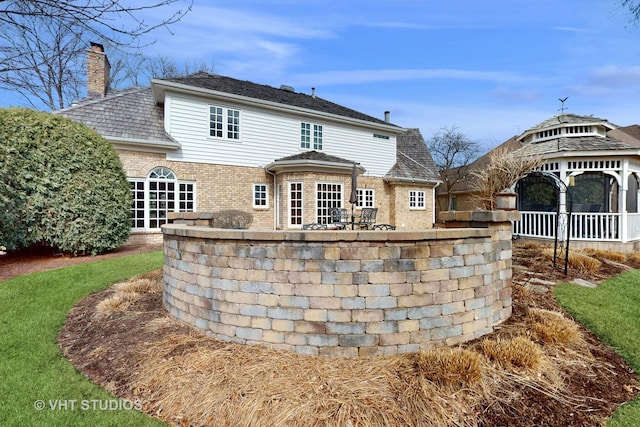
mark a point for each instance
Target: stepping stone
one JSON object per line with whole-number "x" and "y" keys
{"x": 537, "y": 289}
{"x": 584, "y": 283}
{"x": 537, "y": 281}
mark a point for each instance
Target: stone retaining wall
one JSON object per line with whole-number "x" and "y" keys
{"x": 341, "y": 293}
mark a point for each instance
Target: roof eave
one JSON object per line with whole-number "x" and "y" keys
{"x": 130, "y": 143}
{"x": 597, "y": 153}
{"x": 399, "y": 180}
{"x": 158, "y": 88}
{"x": 307, "y": 165}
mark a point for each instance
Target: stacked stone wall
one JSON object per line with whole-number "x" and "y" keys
{"x": 340, "y": 293}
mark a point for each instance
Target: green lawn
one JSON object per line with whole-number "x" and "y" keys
{"x": 612, "y": 312}
{"x": 33, "y": 372}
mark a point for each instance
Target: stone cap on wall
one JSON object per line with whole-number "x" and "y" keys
{"x": 479, "y": 216}
{"x": 204, "y": 232}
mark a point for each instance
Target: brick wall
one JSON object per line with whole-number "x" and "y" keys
{"x": 332, "y": 293}
{"x": 220, "y": 187}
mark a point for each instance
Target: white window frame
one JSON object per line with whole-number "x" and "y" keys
{"x": 311, "y": 135}
{"x": 324, "y": 204}
{"x": 366, "y": 198}
{"x": 417, "y": 200}
{"x": 260, "y": 196}
{"x": 299, "y": 218}
{"x": 166, "y": 184}
{"x": 227, "y": 121}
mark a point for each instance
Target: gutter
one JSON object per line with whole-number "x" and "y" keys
{"x": 143, "y": 143}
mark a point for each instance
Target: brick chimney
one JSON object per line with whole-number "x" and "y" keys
{"x": 98, "y": 69}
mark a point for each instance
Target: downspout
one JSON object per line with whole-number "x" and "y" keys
{"x": 433, "y": 202}
{"x": 275, "y": 198}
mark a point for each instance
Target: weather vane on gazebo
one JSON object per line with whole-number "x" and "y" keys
{"x": 562, "y": 107}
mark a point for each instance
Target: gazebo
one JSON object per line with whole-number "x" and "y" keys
{"x": 600, "y": 165}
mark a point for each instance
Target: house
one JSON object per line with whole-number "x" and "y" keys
{"x": 591, "y": 168}
{"x": 208, "y": 143}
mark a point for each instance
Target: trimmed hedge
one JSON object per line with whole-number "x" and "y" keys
{"x": 61, "y": 184}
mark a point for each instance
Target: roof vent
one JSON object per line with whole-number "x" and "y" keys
{"x": 287, "y": 88}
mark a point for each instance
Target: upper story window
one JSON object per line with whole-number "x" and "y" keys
{"x": 310, "y": 136}
{"x": 224, "y": 122}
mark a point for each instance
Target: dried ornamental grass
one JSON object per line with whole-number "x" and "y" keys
{"x": 581, "y": 262}
{"x": 127, "y": 293}
{"x": 615, "y": 256}
{"x": 553, "y": 328}
{"x": 518, "y": 352}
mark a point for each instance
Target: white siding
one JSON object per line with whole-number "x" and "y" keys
{"x": 268, "y": 135}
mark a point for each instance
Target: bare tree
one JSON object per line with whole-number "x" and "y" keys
{"x": 42, "y": 42}
{"x": 48, "y": 71}
{"x": 502, "y": 171}
{"x": 633, "y": 8}
{"x": 453, "y": 152}
{"x": 138, "y": 70}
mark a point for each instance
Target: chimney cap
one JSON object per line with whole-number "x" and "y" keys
{"x": 96, "y": 47}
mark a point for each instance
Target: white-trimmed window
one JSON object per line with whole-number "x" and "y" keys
{"x": 295, "y": 204}
{"x": 310, "y": 136}
{"x": 157, "y": 195}
{"x": 328, "y": 195}
{"x": 224, "y": 122}
{"x": 417, "y": 199}
{"x": 260, "y": 196}
{"x": 366, "y": 198}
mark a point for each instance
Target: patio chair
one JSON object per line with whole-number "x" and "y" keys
{"x": 314, "y": 226}
{"x": 339, "y": 217}
{"x": 384, "y": 227}
{"x": 367, "y": 217}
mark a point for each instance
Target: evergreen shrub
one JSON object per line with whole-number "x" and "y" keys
{"x": 61, "y": 184}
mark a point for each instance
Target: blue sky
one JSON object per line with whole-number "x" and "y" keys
{"x": 492, "y": 68}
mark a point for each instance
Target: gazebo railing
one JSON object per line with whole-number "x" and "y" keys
{"x": 536, "y": 224}
{"x": 633, "y": 226}
{"x": 595, "y": 226}
{"x": 584, "y": 225}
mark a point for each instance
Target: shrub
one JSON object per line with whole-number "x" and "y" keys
{"x": 62, "y": 185}
{"x": 231, "y": 218}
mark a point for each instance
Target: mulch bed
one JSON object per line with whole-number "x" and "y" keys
{"x": 106, "y": 351}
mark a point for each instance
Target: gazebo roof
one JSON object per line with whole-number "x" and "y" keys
{"x": 575, "y": 144}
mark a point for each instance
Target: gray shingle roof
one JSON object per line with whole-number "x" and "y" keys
{"x": 575, "y": 143}
{"x": 249, "y": 89}
{"x": 567, "y": 118}
{"x": 413, "y": 159}
{"x": 315, "y": 156}
{"x": 128, "y": 114}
